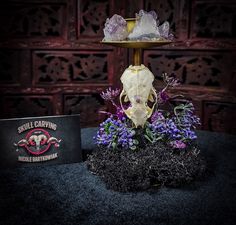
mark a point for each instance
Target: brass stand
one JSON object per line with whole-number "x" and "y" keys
{"x": 137, "y": 54}
{"x": 143, "y": 111}
{"x": 137, "y": 46}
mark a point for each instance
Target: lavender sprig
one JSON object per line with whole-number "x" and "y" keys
{"x": 176, "y": 130}
{"x": 110, "y": 94}
{"x": 114, "y": 133}
{"x": 170, "y": 80}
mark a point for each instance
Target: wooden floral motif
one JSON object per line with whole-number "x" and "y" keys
{"x": 192, "y": 68}
{"x": 66, "y": 67}
{"x": 21, "y": 106}
{"x": 92, "y": 16}
{"x": 8, "y": 73}
{"x": 88, "y": 106}
{"x": 213, "y": 20}
{"x": 32, "y": 20}
{"x": 220, "y": 116}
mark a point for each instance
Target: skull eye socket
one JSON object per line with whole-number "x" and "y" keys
{"x": 32, "y": 142}
{"x": 43, "y": 140}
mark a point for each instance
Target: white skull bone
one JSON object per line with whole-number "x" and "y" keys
{"x": 138, "y": 89}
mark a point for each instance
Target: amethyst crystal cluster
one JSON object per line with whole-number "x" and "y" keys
{"x": 174, "y": 128}
{"x": 115, "y": 28}
{"x": 147, "y": 28}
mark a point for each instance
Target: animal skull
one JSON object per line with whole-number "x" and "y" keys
{"x": 38, "y": 139}
{"x": 138, "y": 90}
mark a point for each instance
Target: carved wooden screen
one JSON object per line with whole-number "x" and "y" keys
{"x": 51, "y": 61}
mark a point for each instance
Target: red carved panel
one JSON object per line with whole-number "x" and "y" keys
{"x": 214, "y": 20}
{"x": 219, "y": 116}
{"x": 92, "y": 16}
{"x": 166, "y": 10}
{"x": 23, "y": 106}
{"x": 32, "y": 20}
{"x": 191, "y": 67}
{"x": 9, "y": 74}
{"x": 88, "y": 106}
{"x": 61, "y": 67}
{"x": 51, "y": 62}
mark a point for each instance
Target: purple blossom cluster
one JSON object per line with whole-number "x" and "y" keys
{"x": 184, "y": 116}
{"x": 170, "y": 80}
{"x": 114, "y": 133}
{"x": 177, "y": 144}
{"x": 177, "y": 130}
{"x": 110, "y": 94}
{"x": 166, "y": 128}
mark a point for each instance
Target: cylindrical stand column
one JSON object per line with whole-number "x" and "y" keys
{"x": 137, "y": 56}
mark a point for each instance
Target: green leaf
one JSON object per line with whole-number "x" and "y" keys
{"x": 133, "y": 132}
{"x": 158, "y": 138}
{"x": 148, "y": 138}
{"x": 113, "y": 145}
{"x": 149, "y": 133}
{"x": 133, "y": 147}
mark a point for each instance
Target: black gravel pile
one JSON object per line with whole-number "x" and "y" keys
{"x": 151, "y": 167}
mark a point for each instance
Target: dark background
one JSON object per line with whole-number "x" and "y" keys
{"x": 51, "y": 63}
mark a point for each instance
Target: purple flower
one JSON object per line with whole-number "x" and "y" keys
{"x": 178, "y": 144}
{"x": 120, "y": 113}
{"x": 114, "y": 133}
{"x": 188, "y": 134}
{"x": 110, "y": 94}
{"x": 163, "y": 97}
{"x": 177, "y": 128}
{"x": 184, "y": 116}
{"x": 157, "y": 116}
{"x": 170, "y": 80}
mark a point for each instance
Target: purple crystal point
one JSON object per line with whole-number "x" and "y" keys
{"x": 115, "y": 29}
{"x": 164, "y": 29}
{"x": 146, "y": 26}
{"x": 143, "y": 12}
{"x": 153, "y": 13}
{"x": 171, "y": 37}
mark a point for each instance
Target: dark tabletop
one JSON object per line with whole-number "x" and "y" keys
{"x": 70, "y": 195}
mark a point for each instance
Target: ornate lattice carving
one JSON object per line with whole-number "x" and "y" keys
{"x": 88, "y": 106}
{"x": 27, "y": 20}
{"x": 65, "y": 67}
{"x": 9, "y": 66}
{"x": 165, "y": 9}
{"x": 93, "y": 15}
{"x": 220, "y": 116}
{"x": 192, "y": 68}
{"x": 23, "y": 106}
{"x": 47, "y": 49}
{"x": 214, "y": 20}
